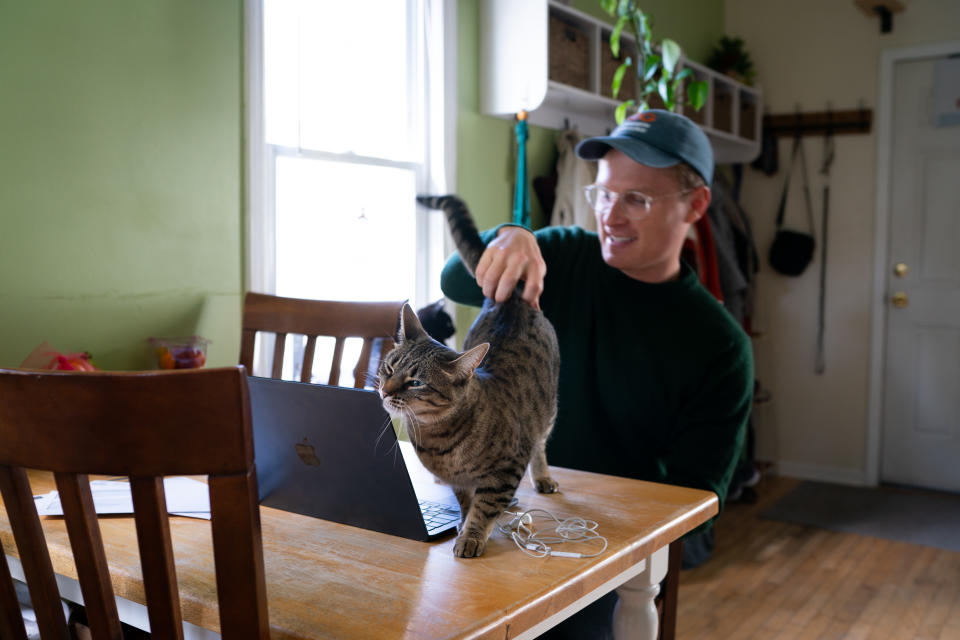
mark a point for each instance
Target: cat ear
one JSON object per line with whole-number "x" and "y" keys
{"x": 410, "y": 327}
{"x": 468, "y": 360}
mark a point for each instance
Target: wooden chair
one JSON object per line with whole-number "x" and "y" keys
{"x": 314, "y": 318}
{"x": 144, "y": 425}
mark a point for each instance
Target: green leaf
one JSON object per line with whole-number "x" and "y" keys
{"x": 697, "y": 94}
{"x": 618, "y": 77}
{"x": 615, "y": 37}
{"x": 684, "y": 73}
{"x": 609, "y": 6}
{"x": 671, "y": 55}
{"x": 663, "y": 88}
{"x": 653, "y": 63}
{"x": 621, "y": 113}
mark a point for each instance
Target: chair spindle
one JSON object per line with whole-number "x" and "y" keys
{"x": 88, "y": 554}
{"x": 32, "y": 545}
{"x": 306, "y": 372}
{"x": 156, "y": 557}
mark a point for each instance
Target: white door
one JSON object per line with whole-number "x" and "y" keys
{"x": 921, "y": 401}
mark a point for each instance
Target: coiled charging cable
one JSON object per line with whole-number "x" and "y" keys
{"x": 550, "y": 530}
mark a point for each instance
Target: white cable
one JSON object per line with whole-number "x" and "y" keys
{"x": 537, "y": 543}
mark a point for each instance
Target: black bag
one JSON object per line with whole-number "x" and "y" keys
{"x": 791, "y": 250}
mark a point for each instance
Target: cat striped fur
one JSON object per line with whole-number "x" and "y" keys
{"x": 480, "y": 417}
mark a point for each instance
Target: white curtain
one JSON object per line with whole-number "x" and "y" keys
{"x": 438, "y": 39}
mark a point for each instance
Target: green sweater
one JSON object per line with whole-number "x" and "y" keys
{"x": 656, "y": 380}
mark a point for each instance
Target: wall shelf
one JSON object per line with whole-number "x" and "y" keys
{"x": 554, "y": 62}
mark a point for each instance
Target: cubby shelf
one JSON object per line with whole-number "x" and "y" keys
{"x": 554, "y": 62}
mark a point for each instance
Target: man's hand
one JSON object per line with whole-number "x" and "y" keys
{"x": 511, "y": 257}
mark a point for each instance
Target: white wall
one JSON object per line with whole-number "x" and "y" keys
{"x": 810, "y": 54}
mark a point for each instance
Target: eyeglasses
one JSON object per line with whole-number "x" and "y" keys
{"x": 636, "y": 205}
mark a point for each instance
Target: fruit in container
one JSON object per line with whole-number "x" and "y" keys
{"x": 180, "y": 353}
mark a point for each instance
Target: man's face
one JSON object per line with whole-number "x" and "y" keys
{"x": 647, "y": 249}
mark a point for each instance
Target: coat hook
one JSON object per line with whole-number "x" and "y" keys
{"x": 886, "y": 18}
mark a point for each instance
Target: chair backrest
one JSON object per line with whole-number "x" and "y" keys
{"x": 144, "y": 425}
{"x": 374, "y": 322}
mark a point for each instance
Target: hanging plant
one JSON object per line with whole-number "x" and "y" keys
{"x": 655, "y": 67}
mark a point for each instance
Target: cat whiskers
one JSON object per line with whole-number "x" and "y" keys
{"x": 387, "y": 424}
{"x": 410, "y": 422}
{"x": 409, "y": 417}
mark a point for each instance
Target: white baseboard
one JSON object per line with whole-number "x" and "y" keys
{"x": 822, "y": 473}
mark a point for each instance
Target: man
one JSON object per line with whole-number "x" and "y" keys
{"x": 656, "y": 377}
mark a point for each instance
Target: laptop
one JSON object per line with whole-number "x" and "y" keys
{"x": 332, "y": 453}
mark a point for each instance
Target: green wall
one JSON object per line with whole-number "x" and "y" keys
{"x": 120, "y": 176}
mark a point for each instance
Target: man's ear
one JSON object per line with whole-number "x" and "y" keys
{"x": 410, "y": 327}
{"x": 464, "y": 366}
{"x": 699, "y": 201}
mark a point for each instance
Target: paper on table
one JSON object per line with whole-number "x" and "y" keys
{"x": 185, "y": 497}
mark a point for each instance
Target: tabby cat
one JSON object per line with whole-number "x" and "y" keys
{"x": 477, "y": 426}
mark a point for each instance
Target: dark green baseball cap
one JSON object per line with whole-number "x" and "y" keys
{"x": 656, "y": 138}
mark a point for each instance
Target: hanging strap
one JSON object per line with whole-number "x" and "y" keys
{"x": 781, "y": 210}
{"x": 521, "y": 193}
{"x": 820, "y": 364}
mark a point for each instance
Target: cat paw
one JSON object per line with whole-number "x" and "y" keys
{"x": 546, "y": 485}
{"x": 468, "y": 547}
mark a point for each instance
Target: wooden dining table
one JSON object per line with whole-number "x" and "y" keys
{"x": 327, "y": 580}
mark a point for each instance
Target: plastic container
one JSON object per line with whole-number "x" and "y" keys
{"x": 180, "y": 353}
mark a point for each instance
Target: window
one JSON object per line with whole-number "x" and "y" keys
{"x": 348, "y": 120}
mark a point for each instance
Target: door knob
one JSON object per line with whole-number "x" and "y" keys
{"x": 899, "y": 300}
{"x": 900, "y": 269}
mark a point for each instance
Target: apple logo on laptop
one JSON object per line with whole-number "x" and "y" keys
{"x": 307, "y": 453}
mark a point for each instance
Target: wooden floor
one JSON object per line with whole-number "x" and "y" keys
{"x": 773, "y": 581}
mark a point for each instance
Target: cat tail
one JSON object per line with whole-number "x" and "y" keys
{"x": 462, "y": 228}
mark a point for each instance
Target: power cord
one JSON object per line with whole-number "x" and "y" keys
{"x": 519, "y": 526}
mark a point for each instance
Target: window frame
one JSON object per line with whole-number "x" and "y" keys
{"x": 435, "y": 171}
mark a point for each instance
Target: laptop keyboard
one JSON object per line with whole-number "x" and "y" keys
{"x": 437, "y": 515}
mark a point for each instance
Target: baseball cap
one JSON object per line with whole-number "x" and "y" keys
{"x": 656, "y": 138}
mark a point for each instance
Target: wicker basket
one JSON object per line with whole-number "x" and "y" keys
{"x": 569, "y": 54}
{"x": 748, "y": 119}
{"x": 654, "y": 101}
{"x": 722, "y": 110}
{"x": 609, "y": 65}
